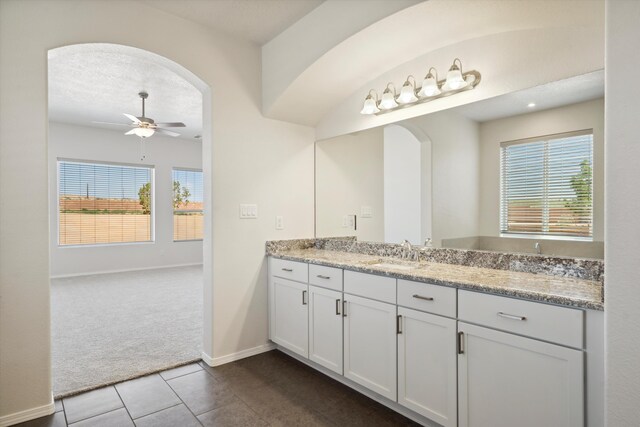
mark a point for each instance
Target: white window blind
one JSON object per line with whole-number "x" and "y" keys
{"x": 546, "y": 186}
{"x": 188, "y": 191}
{"x": 103, "y": 203}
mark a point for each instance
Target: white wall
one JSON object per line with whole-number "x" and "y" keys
{"x": 622, "y": 203}
{"x": 349, "y": 175}
{"x": 403, "y": 204}
{"x": 584, "y": 115}
{"x": 249, "y": 159}
{"x": 163, "y": 153}
{"x": 455, "y": 154}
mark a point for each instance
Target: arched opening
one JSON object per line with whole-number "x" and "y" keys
{"x": 407, "y": 185}
{"x": 109, "y": 172}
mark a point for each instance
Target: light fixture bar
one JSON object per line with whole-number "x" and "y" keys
{"x": 472, "y": 77}
{"x": 430, "y": 89}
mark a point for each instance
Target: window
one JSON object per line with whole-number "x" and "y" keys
{"x": 546, "y": 186}
{"x": 187, "y": 205}
{"x": 104, "y": 203}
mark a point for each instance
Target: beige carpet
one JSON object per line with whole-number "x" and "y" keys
{"x": 111, "y": 327}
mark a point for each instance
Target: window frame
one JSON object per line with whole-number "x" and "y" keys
{"x": 152, "y": 215}
{"x": 185, "y": 169}
{"x": 543, "y": 138}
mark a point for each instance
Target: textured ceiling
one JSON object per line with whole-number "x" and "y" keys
{"x": 551, "y": 95}
{"x": 255, "y": 20}
{"x": 100, "y": 82}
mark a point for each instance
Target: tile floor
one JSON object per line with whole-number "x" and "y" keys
{"x": 270, "y": 389}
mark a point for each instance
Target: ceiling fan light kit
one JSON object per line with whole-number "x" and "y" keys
{"x": 456, "y": 81}
{"x": 145, "y": 127}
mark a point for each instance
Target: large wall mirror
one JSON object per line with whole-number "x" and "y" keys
{"x": 522, "y": 172}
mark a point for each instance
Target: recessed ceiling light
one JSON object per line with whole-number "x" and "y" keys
{"x": 531, "y": 104}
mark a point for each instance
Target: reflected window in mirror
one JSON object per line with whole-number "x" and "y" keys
{"x": 546, "y": 186}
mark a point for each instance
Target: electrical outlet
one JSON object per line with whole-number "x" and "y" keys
{"x": 248, "y": 211}
{"x": 279, "y": 223}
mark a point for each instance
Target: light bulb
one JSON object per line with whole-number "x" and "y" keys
{"x": 369, "y": 106}
{"x": 407, "y": 93}
{"x": 429, "y": 86}
{"x": 388, "y": 100}
{"x": 454, "y": 77}
{"x": 144, "y": 132}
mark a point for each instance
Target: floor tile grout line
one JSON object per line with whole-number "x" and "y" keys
{"x": 159, "y": 410}
{"x": 64, "y": 411}
{"x": 99, "y": 415}
{"x": 123, "y": 404}
{"x": 179, "y": 398}
{"x": 179, "y": 376}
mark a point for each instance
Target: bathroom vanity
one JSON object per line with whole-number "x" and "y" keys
{"x": 442, "y": 342}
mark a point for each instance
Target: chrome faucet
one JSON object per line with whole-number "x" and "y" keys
{"x": 406, "y": 248}
{"x": 428, "y": 243}
{"x": 538, "y": 248}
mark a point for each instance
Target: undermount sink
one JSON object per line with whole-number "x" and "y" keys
{"x": 393, "y": 265}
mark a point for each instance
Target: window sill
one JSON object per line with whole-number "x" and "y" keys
{"x": 546, "y": 237}
{"x": 97, "y": 245}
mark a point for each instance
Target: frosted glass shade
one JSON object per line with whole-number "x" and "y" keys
{"x": 407, "y": 94}
{"x": 429, "y": 87}
{"x": 369, "y": 106}
{"x": 144, "y": 132}
{"x": 388, "y": 101}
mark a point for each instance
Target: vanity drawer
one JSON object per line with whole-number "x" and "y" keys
{"x": 380, "y": 288}
{"x": 292, "y": 270}
{"x": 426, "y": 297}
{"x": 546, "y": 322}
{"x": 325, "y": 277}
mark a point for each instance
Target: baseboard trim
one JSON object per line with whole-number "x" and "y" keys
{"x": 126, "y": 270}
{"x": 27, "y": 415}
{"x": 221, "y": 360}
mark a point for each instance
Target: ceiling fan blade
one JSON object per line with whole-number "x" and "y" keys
{"x": 134, "y": 119}
{"x": 114, "y": 124}
{"x": 171, "y": 125}
{"x": 131, "y": 132}
{"x": 167, "y": 132}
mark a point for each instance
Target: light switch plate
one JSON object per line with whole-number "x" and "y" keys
{"x": 279, "y": 223}
{"x": 248, "y": 211}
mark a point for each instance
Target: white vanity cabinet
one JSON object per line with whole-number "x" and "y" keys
{"x": 325, "y": 328}
{"x": 370, "y": 344}
{"x": 427, "y": 365}
{"x": 288, "y": 315}
{"x": 505, "y": 379}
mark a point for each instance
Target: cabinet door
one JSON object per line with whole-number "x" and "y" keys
{"x": 507, "y": 380}
{"x": 325, "y": 328}
{"x": 370, "y": 344}
{"x": 289, "y": 316}
{"x": 427, "y": 360}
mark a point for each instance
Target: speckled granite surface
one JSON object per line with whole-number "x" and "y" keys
{"x": 546, "y": 279}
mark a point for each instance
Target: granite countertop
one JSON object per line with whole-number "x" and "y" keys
{"x": 565, "y": 291}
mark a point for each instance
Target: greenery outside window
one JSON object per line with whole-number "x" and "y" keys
{"x": 102, "y": 203}
{"x": 546, "y": 186}
{"x": 188, "y": 191}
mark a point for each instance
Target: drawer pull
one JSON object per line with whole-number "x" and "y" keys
{"x": 511, "y": 316}
{"x": 304, "y": 297}
{"x": 423, "y": 298}
{"x": 320, "y": 276}
{"x": 338, "y": 307}
{"x": 344, "y": 308}
{"x": 399, "y": 324}
{"x": 288, "y": 269}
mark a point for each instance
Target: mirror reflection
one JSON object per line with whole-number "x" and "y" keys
{"x": 522, "y": 172}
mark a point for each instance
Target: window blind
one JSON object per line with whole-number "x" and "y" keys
{"x": 188, "y": 191}
{"x": 546, "y": 185}
{"x": 103, "y": 203}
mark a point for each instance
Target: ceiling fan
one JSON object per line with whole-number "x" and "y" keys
{"x": 143, "y": 126}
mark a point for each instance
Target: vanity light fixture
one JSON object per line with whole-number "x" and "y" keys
{"x": 531, "y": 104}
{"x": 388, "y": 100}
{"x": 408, "y": 91}
{"x": 430, "y": 85}
{"x": 431, "y": 89}
{"x": 370, "y": 103}
{"x": 455, "y": 80}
